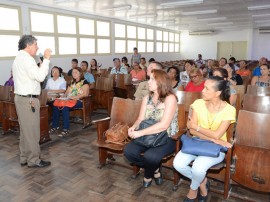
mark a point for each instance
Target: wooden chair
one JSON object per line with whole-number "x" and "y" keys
{"x": 221, "y": 171}
{"x": 83, "y": 112}
{"x": 251, "y": 152}
{"x": 260, "y": 91}
{"x": 246, "y": 81}
{"x": 103, "y": 93}
{"x": 123, "y": 87}
{"x": 259, "y": 104}
{"x": 123, "y": 110}
{"x": 240, "y": 89}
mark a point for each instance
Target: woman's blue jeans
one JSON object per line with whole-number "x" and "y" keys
{"x": 65, "y": 114}
{"x": 197, "y": 172}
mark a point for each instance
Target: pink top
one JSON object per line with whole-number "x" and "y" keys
{"x": 140, "y": 75}
{"x": 192, "y": 88}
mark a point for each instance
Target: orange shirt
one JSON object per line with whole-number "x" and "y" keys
{"x": 140, "y": 75}
{"x": 245, "y": 72}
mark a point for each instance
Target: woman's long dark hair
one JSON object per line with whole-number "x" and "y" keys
{"x": 221, "y": 85}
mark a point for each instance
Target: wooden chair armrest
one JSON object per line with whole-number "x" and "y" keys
{"x": 102, "y": 126}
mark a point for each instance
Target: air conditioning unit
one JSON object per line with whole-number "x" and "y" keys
{"x": 264, "y": 30}
{"x": 203, "y": 32}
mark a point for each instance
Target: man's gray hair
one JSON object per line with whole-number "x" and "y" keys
{"x": 26, "y": 39}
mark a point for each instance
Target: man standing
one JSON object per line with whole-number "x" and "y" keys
{"x": 143, "y": 89}
{"x": 27, "y": 77}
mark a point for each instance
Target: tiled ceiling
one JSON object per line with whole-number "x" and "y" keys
{"x": 207, "y": 15}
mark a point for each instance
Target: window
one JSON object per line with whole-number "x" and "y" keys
{"x": 131, "y": 32}
{"x": 176, "y": 38}
{"x": 42, "y": 22}
{"x": 165, "y": 36}
{"x": 159, "y": 35}
{"x": 87, "y": 46}
{"x": 150, "y": 46}
{"x": 176, "y": 48}
{"x": 120, "y": 30}
{"x": 67, "y": 45}
{"x": 142, "y": 46}
{"x": 120, "y": 46}
{"x": 10, "y": 44}
{"x": 103, "y": 46}
{"x": 66, "y": 25}
{"x": 45, "y": 42}
{"x": 131, "y": 44}
{"x": 171, "y": 37}
{"x": 150, "y": 34}
{"x": 159, "y": 47}
{"x": 13, "y": 19}
{"x": 165, "y": 47}
{"x": 171, "y": 47}
{"x": 103, "y": 28}
{"x": 86, "y": 26}
{"x": 141, "y": 33}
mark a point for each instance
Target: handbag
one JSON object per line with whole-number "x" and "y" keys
{"x": 118, "y": 134}
{"x": 61, "y": 103}
{"x": 153, "y": 140}
{"x": 199, "y": 147}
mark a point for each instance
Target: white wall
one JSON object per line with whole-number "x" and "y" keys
{"x": 190, "y": 46}
{"x": 261, "y": 45}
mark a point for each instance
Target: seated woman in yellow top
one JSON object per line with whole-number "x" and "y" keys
{"x": 210, "y": 119}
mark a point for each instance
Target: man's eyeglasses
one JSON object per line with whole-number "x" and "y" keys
{"x": 193, "y": 77}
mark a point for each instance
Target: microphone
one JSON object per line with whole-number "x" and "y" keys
{"x": 40, "y": 56}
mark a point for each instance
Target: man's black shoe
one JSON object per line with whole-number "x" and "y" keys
{"x": 24, "y": 164}
{"x": 41, "y": 164}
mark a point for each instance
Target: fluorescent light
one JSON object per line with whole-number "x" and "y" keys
{"x": 212, "y": 19}
{"x": 200, "y": 12}
{"x": 118, "y": 8}
{"x": 262, "y": 21}
{"x": 65, "y": 1}
{"x": 153, "y": 15}
{"x": 252, "y": 8}
{"x": 220, "y": 23}
{"x": 181, "y": 3}
{"x": 261, "y": 15}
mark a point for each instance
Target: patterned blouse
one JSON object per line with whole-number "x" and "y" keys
{"x": 76, "y": 88}
{"x": 261, "y": 83}
{"x": 157, "y": 114}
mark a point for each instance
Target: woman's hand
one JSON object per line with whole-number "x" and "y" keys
{"x": 135, "y": 134}
{"x": 191, "y": 124}
{"x": 222, "y": 143}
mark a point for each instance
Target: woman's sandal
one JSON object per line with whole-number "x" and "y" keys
{"x": 53, "y": 130}
{"x": 64, "y": 133}
{"x": 158, "y": 180}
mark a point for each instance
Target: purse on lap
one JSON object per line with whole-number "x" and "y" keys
{"x": 61, "y": 103}
{"x": 118, "y": 134}
{"x": 199, "y": 147}
{"x": 153, "y": 140}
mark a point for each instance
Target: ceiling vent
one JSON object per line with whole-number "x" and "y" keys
{"x": 264, "y": 30}
{"x": 204, "y": 32}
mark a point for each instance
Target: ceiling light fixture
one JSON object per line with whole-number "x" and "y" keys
{"x": 118, "y": 8}
{"x": 180, "y": 3}
{"x": 261, "y": 7}
{"x": 220, "y": 23}
{"x": 212, "y": 19}
{"x": 200, "y": 12}
{"x": 66, "y": 1}
{"x": 153, "y": 15}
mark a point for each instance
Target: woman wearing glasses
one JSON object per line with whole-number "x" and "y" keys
{"x": 196, "y": 83}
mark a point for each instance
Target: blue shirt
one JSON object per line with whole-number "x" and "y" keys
{"x": 122, "y": 70}
{"x": 257, "y": 71}
{"x": 89, "y": 77}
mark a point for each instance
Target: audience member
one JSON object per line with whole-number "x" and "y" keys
{"x": 243, "y": 70}
{"x": 56, "y": 83}
{"x": 137, "y": 74}
{"x": 233, "y": 78}
{"x": 118, "y": 69}
{"x": 151, "y": 60}
{"x": 143, "y": 64}
{"x": 232, "y": 60}
{"x": 173, "y": 73}
{"x": 210, "y": 119}
{"x": 160, "y": 105}
{"x": 222, "y": 62}
{"x": 10, "y": 81}
{"x": 136, "y": 57}
{"x": 196, "y": 83}
{"x": 88, "y": 76}
{"x": 142, "y": 89}
{"x": 199, "y": 61}
{"x": 184, "y": 76}
{"x": 74, "y": 63}
{"x": 257, "y": 70}
{"x": 94, "y": 66}
{"x": 77, "y": 90}
{"x": 264, "y": 79}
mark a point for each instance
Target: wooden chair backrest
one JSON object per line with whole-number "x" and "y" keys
{"x": 252, "y": 129}
{"x": 254, "y": 103}
{"x": 5, "y": 92}
{"x": 104, "y": 73}
{"x": 187, "y": 98}
{"x": 246, "y": 81}
{"x": 122, "y": 80}
{"x": 257, "y": 90}
{"x": 43, "y": 98}
{"x": 103, "y": 83}
{"x": 125, "y": 111}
